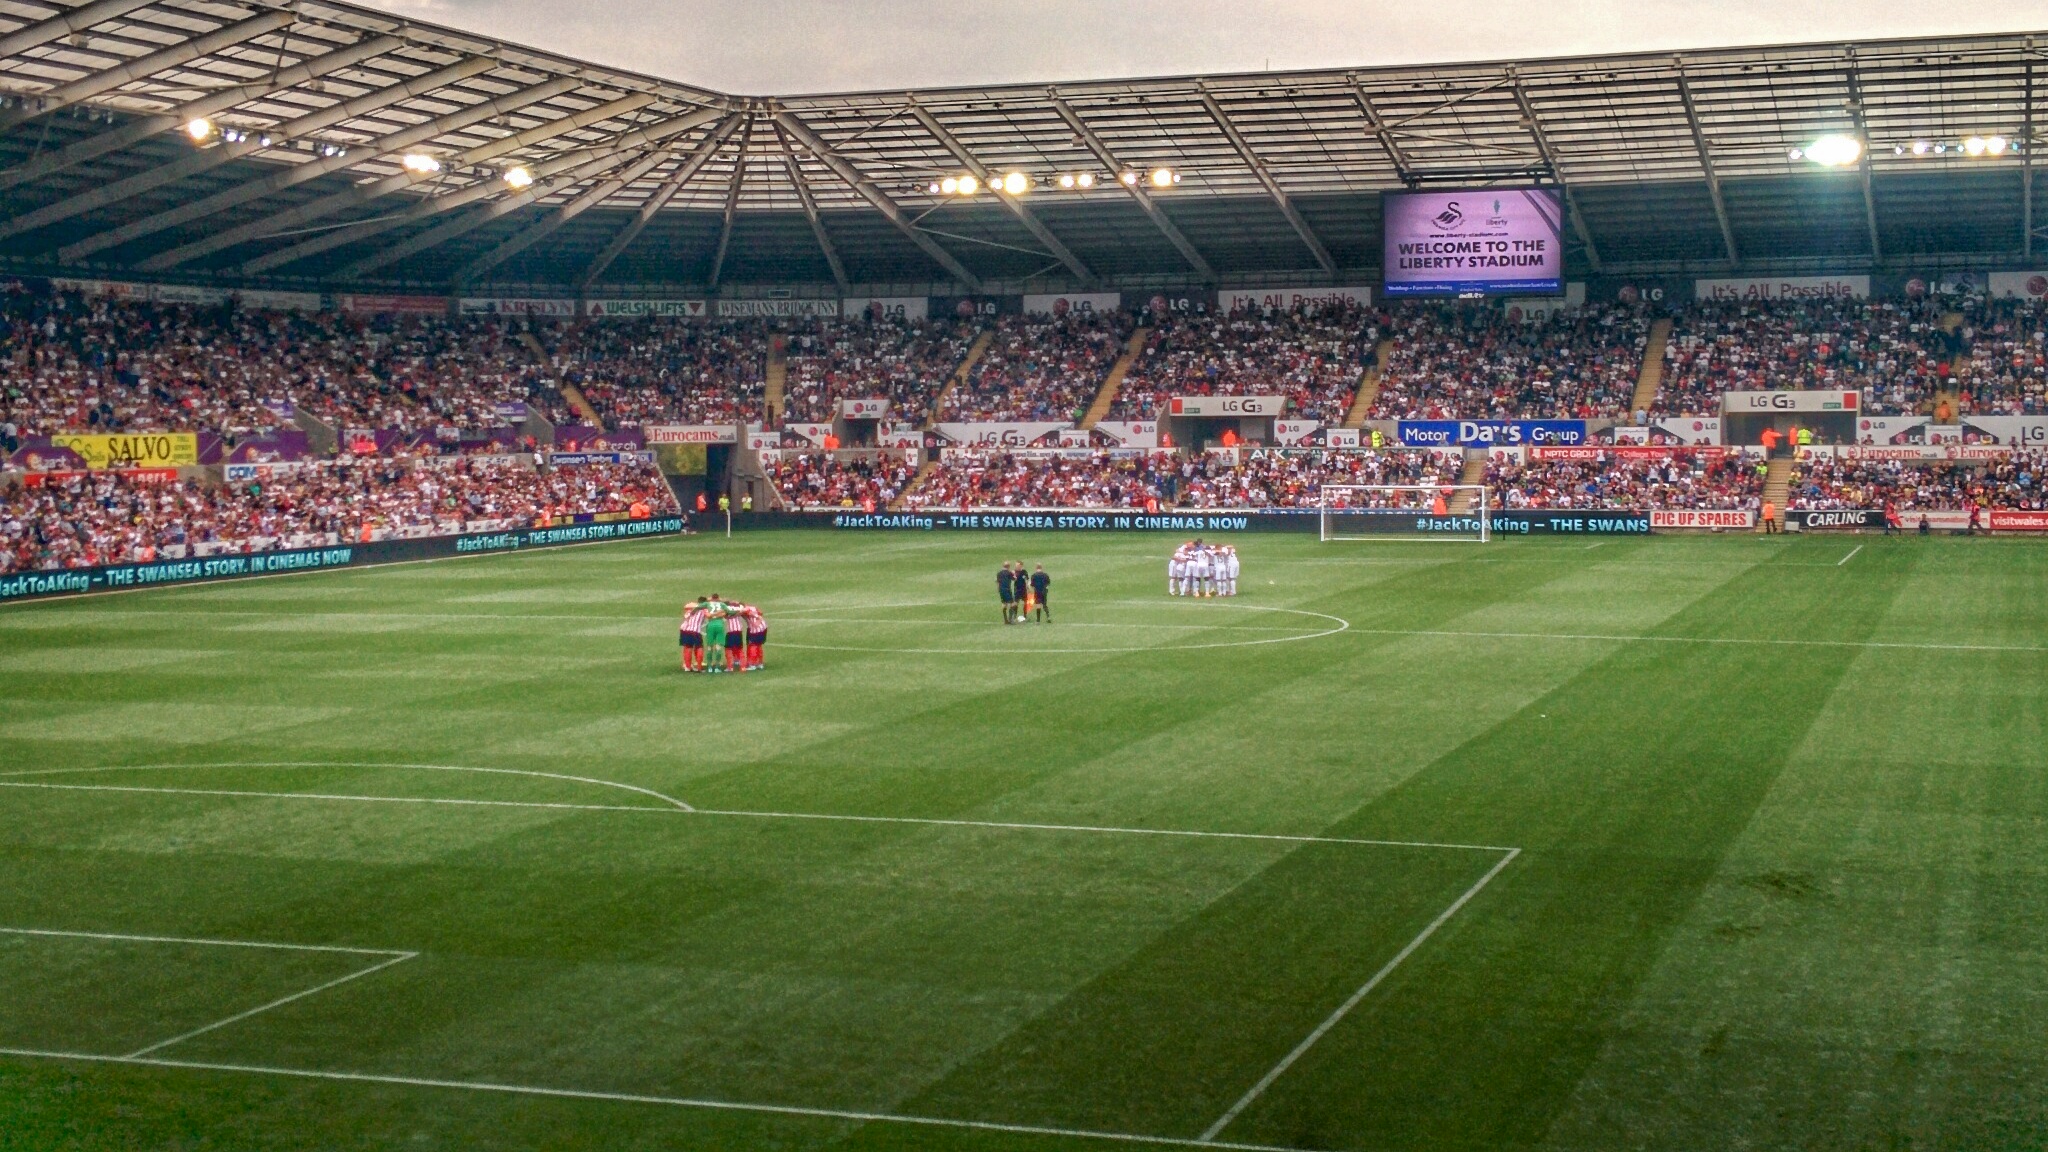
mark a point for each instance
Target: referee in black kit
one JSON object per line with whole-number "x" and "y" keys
{"x": 1041, "y": 587}
{"x": 1006, "y": 587}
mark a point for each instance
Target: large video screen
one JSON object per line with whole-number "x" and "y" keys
{"x": 1482, "y": 241}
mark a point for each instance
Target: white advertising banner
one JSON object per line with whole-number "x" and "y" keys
{"x": 691, "y": 433}
{"x": 1074, "y": 438}
{"x": 1691, "y": 429}
{"x": 1290, "y": 432}
{"x": 1341, "y": 438}
{"x": 900, "y": 436}
{"x": 1288, "y": 299}
{"x": 1227, "y": 405}
{"x": 871, "y": 409}
{"x": 634, "y": 309}
{"x": 280, "y": 301}
{"x": 1783, "y": 288}
{"x": 514, "y": 306}
{"x": 1131, "y": 433}
{"x": 1964, "y": 453}
{"x": 1889, "y": 429}
{"x": 1629, "y": 434}
{"x": 757, "y": 439}
{"x": 1703, "y": 518}
{"x": 899, "y": 307}
{"x": 2028, "y": 285}
{"x": 992, "y": 435}
{"x": 1059, "y": 304}
{"x": 778, "y": 307}
{"x": 2029, "y": 430}
{"x": 1807, "y": 401}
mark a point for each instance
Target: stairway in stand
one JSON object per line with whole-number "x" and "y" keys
{"x": 1474, "y": 474}
{"x": 1115, "y": 380}
{"x": 1778, "y": 486}
{"x": 958, "y": 378}
{"x": 777, "y": 379}
{"x": 1651, "y": 378}
{"x": 1368, "y": 386}
{"x": 923, "y": 470}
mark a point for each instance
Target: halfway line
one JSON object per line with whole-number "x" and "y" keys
{"x": 1627, "y": 639}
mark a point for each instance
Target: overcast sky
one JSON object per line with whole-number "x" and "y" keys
{"x": 792, "y": 46}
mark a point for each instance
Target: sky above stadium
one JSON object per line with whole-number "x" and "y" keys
{"x": 792, "y": 46}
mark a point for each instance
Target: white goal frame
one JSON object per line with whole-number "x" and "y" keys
{"x": 1480, "y": 510}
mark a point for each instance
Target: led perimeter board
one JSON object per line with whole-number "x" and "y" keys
{"x": 1479, "y": 242}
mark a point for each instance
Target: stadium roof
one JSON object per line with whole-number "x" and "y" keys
{"x": 1670, "y": 162}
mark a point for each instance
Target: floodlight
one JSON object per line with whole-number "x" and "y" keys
{"x": 198, "y": 128}
{"x": 1130, "y": 178}
{"x": 1974, "y": 145}
{"x": 1920, "y": 147}
{"x": 421, "y": 163}
{"x": 1016, "y": 183}
{"x": 1162, "y": 178}
{"x": 1835, "y": 151}
{"x": 1066, "y": 179}
{"x": 519, "y": 176}
{"x": 968, "y": 185}
{"x": 1085, "y": 179}
{"x": 1995, "y": 145}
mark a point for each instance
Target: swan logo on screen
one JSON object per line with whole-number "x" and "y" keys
{"x": 1452, "y": 216}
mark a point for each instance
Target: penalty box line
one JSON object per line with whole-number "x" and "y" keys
{"x": 389, "y": 957}
{"x": 845, "y": 1115}
{"x": 1208, "y": 1139}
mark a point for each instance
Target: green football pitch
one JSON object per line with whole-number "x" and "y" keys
{"x": 1711, "y": 842}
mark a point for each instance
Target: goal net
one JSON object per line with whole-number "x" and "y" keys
{"x": 1406, "y": 512}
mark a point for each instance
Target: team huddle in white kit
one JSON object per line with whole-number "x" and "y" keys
{"x": 1199, "y": 569}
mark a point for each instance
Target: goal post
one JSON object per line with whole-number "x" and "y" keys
{"x": 1405, "y": 512}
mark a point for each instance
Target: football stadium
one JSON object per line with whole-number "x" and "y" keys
{"x": 1479, "y": 605}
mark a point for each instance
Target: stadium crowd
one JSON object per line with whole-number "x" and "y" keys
{"x": 664, "y": 370}
{"x": 1473, "y": 362}
{"x": 1612, "y": 481}
{"x": 2003, "y": 367}
{"x": 1041, "y": 368}
{"x": 906, "y": 362}
{"x": 814, "y": 480}
{"x": 2013, "y": 482}
{"x": 1313, "y": 355}
{"x": 74, "y": 363}
{"x": 69, "y": 520}
{"x": 1893, "y": 352}
{"x": 1011, "y": 480}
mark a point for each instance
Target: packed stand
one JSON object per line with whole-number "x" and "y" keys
{"x": 665, "y": 370}
{"x": 906, "y": 362}
{"x": 1684, "y": 479}
{"x": 2013, "y": 482}
{"x": 75, "y": 363}
{"x": 1313, "y": 356}
{"x": 1294, "y": 478}
{"x": 1894, "y": 353}
{"x": 1477, "y": 362}
{"x": 2003, "y": 367}
{"x": 1006, "y": 480}
{"x": 1042, "y": 368}
{"x": 73, "y": 520}
{"x": 821, "y": 480}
